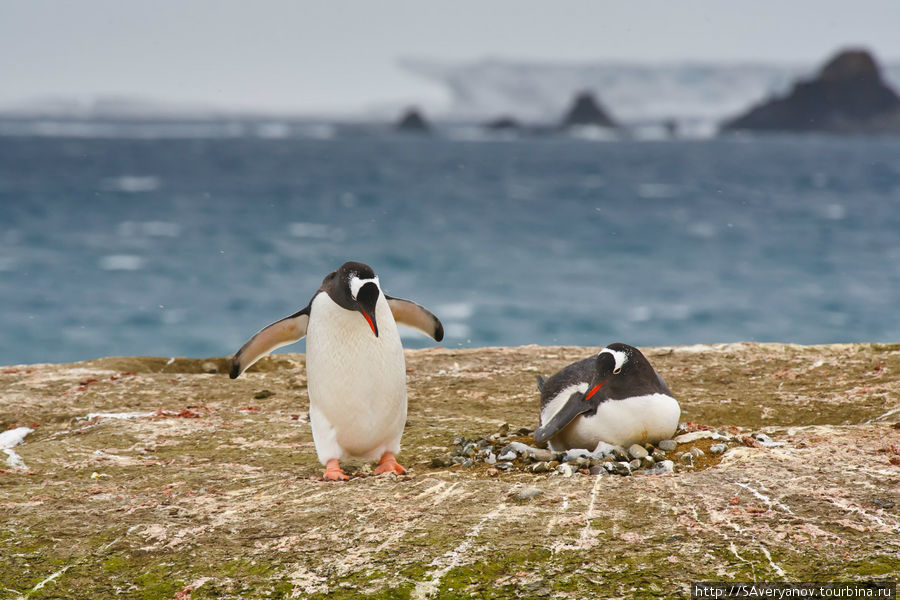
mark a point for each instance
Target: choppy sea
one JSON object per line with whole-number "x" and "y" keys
{"x": 186, "y": 244}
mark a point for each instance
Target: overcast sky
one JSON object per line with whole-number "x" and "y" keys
{"x": 341, "y": 56}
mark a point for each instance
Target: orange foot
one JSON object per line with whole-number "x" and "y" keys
{"x": 389, "y": 464}
{"x": 333, "y": 471}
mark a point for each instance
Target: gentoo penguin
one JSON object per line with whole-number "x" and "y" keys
{"x": 614, "y": 397}
{"x": 354, "y": 364}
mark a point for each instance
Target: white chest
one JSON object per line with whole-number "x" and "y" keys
{"x": 356, "y": 380}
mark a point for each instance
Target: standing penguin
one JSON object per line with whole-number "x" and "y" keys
{"x": 614, "y": 397}
{"x": 354, "y": 363}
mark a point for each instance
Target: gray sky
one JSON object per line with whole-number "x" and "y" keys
{"x": 340, "y": 57}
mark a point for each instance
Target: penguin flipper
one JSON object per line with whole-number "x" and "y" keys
{"x": 574, "y": 406}
{"x": 416, "y": 316}
{"x": 280, "y": 333}
{"x": 541, "y": 383}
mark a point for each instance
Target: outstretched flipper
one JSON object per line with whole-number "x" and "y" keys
{"x": 280, "y": 333}
{"x": 417, "y": 317}
{"x": 574, "y": 406}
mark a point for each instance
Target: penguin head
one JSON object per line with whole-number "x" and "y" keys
{"x": 354, "y": 286}
{"x": 622, "y": 371}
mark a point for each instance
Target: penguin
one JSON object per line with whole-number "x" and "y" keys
{"x": 355, "y": 368}
{"x": 614, "y": 397}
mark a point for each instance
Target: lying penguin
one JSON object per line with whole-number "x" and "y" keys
{"x": 354, "y": 363}
{"x": 614, "y": 397}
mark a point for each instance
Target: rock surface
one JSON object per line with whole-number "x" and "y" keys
{"x": 848, "y": 95}
{"x": 186, "y": 482}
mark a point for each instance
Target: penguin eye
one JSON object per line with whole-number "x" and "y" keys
{"x": 617, "y": 370}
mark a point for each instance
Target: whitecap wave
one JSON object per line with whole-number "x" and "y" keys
{"x": 132, "y": 184}
{"x": 121, "y": 262}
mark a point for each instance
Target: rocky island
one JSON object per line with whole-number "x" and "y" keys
{"x": 847, "y": 96}
{"x": 161, "y": 478}
{"x": 586, "y": 111}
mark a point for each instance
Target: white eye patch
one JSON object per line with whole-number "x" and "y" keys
{"x": 356, "y": 283}
{"x": 620, "y": 357}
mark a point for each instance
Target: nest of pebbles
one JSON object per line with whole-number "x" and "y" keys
{"x": 695, "y": 447}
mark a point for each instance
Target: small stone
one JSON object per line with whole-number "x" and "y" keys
{"x": 658, "y": 455}
{"x": 528, "y": 493}
{"x": 503, "y": 466}
{"x": 623, "y": 468}
{"x": 565, "y": 470}
{"x": 509, "y": 455}
{"x": 210, "y": 367}
{"x": 667, "y": 445}
{"x": 492, "y": 472}
{"x": 637, "y": 451}
{"x": 468, "y": 462}
{"x": 666, "y": 466}
{"x": 491, "y": 458}
{"x": 635, "y": 464}
{"x": 766, "y": 440}
{"x": 647, "y": 463}
{"x": 718, "y": 448}
{"x": 524, "y": 431}
{"x": 883, "y": 502}
{"x": 604, "y": 449}
{"x": 687, "y": 458}
{"x": 697, "y": 452}
{"x": 263, "y": 395}
{"x": 597, "y": 470}
{"x": 619, "y": 454}
{"x": 458, "y": 441}
{"x": 441, "y": 461}
{"x": 503, "y": 429}
{"x": 553, "y": 464}
{"x": 574, "y": 454}
{"x": 539, "y": 467}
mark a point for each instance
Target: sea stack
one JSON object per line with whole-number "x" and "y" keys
{"x": 504, "y": 123}
{"x": 586, "y": 111}
{"x": 848, "y": 96}
{"x": 413, "y": 122}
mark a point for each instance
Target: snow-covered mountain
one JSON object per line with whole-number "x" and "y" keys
{"x": 631, "y": 92}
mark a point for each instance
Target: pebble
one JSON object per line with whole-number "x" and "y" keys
{"x": 637, "y": 451}
{"x": 666, "y": 466}
{"x": 693, "y": 436}
{"x": 667, "y": 445}
{"x": 766, "y": 440}
{"x": 500, "y": 451}
{"x": 210, "y": 367}
{"x": 528, "y": 493}
{"x": 443, "y": 460}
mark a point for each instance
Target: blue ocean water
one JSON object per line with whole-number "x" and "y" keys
{"x": 186, "y": 245}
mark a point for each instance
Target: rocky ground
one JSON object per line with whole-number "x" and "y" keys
{"x": 157, "y": 478}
